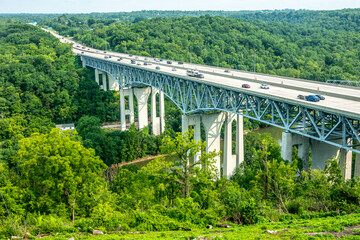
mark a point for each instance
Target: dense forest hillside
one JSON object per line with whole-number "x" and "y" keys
{"x": 53, "y": 182}
{"x": 301, "y": 51}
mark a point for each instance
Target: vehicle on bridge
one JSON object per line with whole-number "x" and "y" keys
{"x": 133, "y": 61}
{"x": 106, "y": 57}
{"x": 312, "y": 98}
{"x": 169, "y": 62}
{"x": 245, "y": 85}
{"x": 200, "y": 75}
{"x": 174, "y": 69}
{"x": 119, "y": 59}
{"x": 157, "y": 68}
{"x": 301, "y": 97}
{"x": 320, "y": 96}
{"x": 264, "y": 86}
{"x": 180, "y": 62}
{"x": 227, "y": 70}
{"x": 192, "y": 73}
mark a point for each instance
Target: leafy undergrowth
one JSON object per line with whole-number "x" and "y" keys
{"x": 344, "y": 227}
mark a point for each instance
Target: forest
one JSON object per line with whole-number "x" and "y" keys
{"x": 53, "y": 181}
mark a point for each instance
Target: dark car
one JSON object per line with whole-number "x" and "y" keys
{"x": 119, "y": 59}
{"x": 157, "y": 68}
{"x": 130, "y": 55}
{"x": 82, "y": 52}
{"x": 301, "y": 97}
{"x": 245, "y": 85}
{"x": 109, "y": 56}
{"x": 169, "y": 62}
{"x": 106, "y": 57}
{"x": 133, "y": 61}
{"x": 312, "y": 98}
{"x": 227, "y": 70}
{"x": 320, "y": 96}
{"x": 180, "y": 62}
{"x": 200, "y": 75}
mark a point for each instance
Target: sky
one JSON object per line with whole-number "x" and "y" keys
{"x": 86, "y": 6}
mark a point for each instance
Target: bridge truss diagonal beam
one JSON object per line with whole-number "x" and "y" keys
{"x": 193, "y": 96}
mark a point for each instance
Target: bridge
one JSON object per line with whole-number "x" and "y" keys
{"x": 330, "y": 127}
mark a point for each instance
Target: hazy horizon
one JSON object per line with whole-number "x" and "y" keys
{"x": 104, "y": 6}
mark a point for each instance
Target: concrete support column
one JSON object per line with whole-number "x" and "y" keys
{"x": 162, "y": 112}
{"x": 304, "y": 152}
{"x": 97, "y": 76}
{"x": 158, "y": 123}
{"x": 286, "y": 146}
{"x": 113, "y": 84}
{"x": 83, "y": 62}
{"x": 357, "y": 165}
{"x": 195, "y": 121}
{"x": 321, "y": 152}
{"x": 345, "y": 162}
{"x": 212, "y": 124}
{"x": 230, "y": 161}
{"x": 123, "y": 111}
{"x": 142, "y": 96}
{"x": 104, "y": 81}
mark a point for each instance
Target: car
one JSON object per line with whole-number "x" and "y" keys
{"x": 104, "y": 51}
{"x": 227, "y": 70}
{"x": 145, "y": 59}
{"x": 109, "y": 56}
{"x": 130, "y": 55}
{"x": 139, "y": 63}
{"x": 133, "y": 61}
{"x": 106, "y": 57}
{"x": 82, "y": 52}
{"x": 180, "y": 62}
{"x": 312, "y": 98}
{"x": 264, "y": 86}
{"x": 301, "y": 97}
{"x": 174, "y": 69}
{"x": 169, "y": 62}
{"x": 245, "y": 85}
{"x": 161, "y": 60}
{"x": 88, "y": 48}
{"x": 157, "y": 68}
{"x": 147, "y": 63}
{"x": 320, "y": 96}
{"x": 119, "y": 59}
{"x": 200, "y": 75}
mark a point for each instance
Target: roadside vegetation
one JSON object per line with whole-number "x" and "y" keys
{"x": 53, "y": 181}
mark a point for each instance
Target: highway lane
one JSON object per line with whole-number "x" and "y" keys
{"x": 334, "y": 104}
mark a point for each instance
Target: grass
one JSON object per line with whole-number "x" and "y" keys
{"x": 344, "y": 227}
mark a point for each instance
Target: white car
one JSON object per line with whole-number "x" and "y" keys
{"x": 264, "y": 86}
{"x": 174, "y": 69}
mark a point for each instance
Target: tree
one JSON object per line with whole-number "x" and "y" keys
{"x": 56, "y": 170}
{"x": 183, "y": 169}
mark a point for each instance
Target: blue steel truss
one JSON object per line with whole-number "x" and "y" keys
{"x": 192, "y": 95}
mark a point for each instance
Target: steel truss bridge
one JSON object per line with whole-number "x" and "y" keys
{"x": 192, "y": 95}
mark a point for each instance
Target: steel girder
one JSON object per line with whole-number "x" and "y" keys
{"x": 193, "y": 95}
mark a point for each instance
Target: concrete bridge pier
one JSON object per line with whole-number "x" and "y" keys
{"x": 357, "y": 165}
{"x": 230, "y": 161}
{"x": 97, "y": 76}
{"x": 158, "y": 123}
{"x": 212, "y": 124}
{"x": 142, "y": 96}
{"x": 346, "y": 162}
{"x": 195, "y": 121}
{"x": 113, "y": 84}
{"x": 126, "y": 110}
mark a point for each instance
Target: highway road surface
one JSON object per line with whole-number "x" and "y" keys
{"x": 338, "y": 99}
